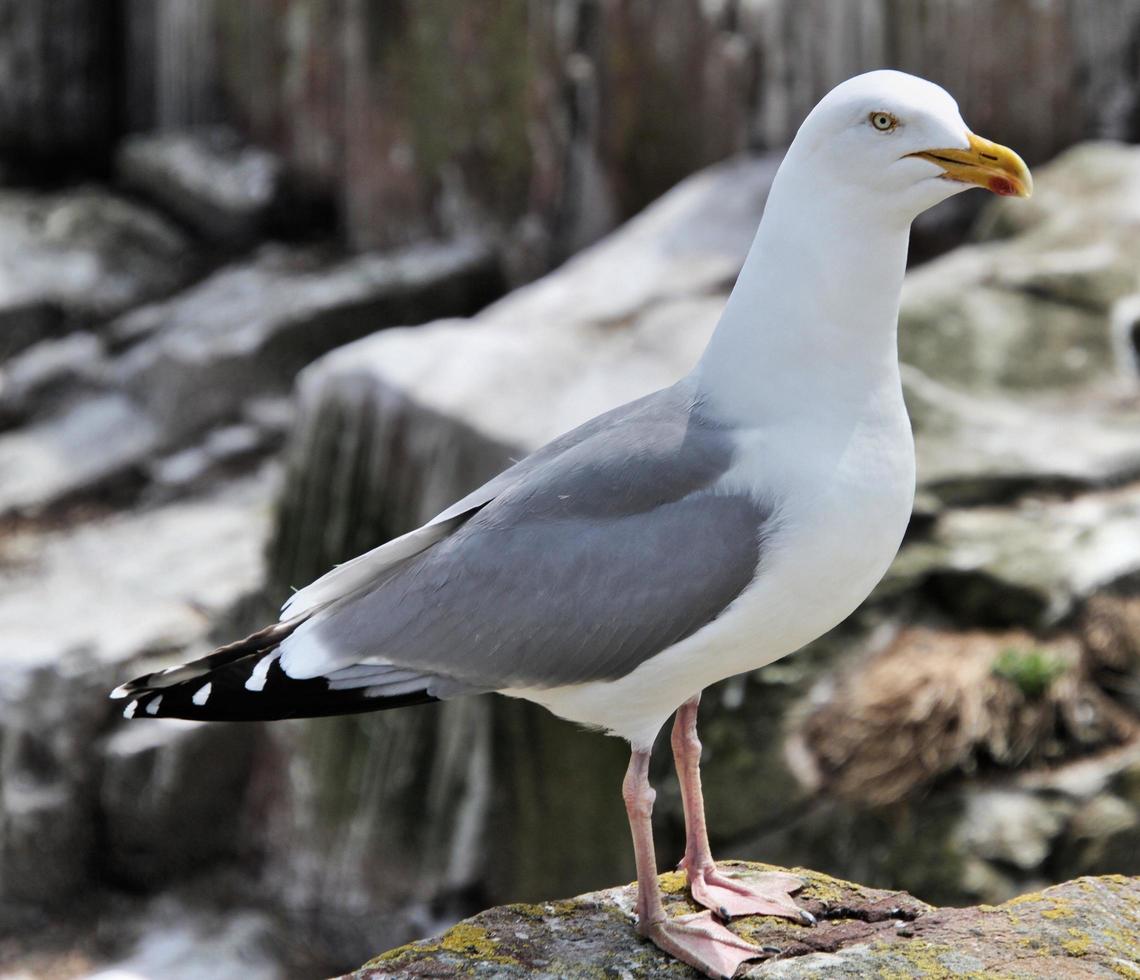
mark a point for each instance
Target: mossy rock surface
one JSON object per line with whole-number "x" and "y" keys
{"x": 1089, "y": 927}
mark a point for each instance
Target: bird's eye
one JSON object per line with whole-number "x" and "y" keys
{"x": 884, "y": 122}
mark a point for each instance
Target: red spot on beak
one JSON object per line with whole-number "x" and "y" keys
{"x": 999, "y": 185}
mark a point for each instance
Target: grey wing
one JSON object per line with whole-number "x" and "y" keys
{"x": 373, "y": 566}
{"x": 599, "y": 555}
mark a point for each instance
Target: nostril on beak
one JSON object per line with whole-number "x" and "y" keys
{"x": 988, "y": 156}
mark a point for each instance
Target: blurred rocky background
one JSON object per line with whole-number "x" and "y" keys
{"x": 280, "y": 279}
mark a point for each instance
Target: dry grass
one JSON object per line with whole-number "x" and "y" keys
{"x": 937, "y": 702}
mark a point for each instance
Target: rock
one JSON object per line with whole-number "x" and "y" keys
{"x": 1018, "y": 349}
{"x": 988, "y": 447}
{"x": 962, "y": 327}
{"x": 543, "y": 130}
{"x": 208, "y": 927}
{"x": 1103, "y": 175}
{"x": 189, "y": 561}
{"x": 180, "y": 943}
{"x": 1033, "y": 309}
{"x": 1019, "y": 369}
{"x": 73, "y": 258}
{"x": 1104, "y": 793}
{"x": 46, "y": 375}
{"x": 245, "y": 331}
{"x": 225, "y": 190}
{"x": 958, "y": 764}
{"x": 1086, "y": 928}
{"x": 552, "y": 128}
{"x": 207, "y": 357}
{"x": 1012, "y": 828}
{"x": 169, "y": 799}
{"x": 83, "y": 448}
{"x": 1102, "y": 833}
{"x": 170, "y": 68}
{"x": 115, "y": 591}
{"x": 222, "y": 449}
{"x": 1030, "y": 564}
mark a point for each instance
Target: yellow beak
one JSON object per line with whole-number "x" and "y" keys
{"x": 989, "y": 165}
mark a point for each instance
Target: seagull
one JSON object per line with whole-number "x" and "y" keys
{"x": 702, "y": 531}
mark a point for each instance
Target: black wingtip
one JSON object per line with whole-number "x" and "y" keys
{"x": 224, "y": 694}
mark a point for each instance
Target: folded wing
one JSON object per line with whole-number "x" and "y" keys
{"x": 581, "y": 562}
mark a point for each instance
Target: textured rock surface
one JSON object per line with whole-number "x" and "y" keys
{"x": 115, "y": 592}
{"x": 99, "y": 410}
{"x": 175, "y": 937}
{"x": 167, "y": 799}
{"x": 180, "y": 944}
{"x": 550, "y": 123}
{"x": 246, "y": 331}
{"x": 70, "y": 259}
{"x": 556, "y": 122}
{"x": 1029, "y": 564}
{"x": 1084, "y": 928}
{"x": 46, "y": 375}
{"x": 224, "y": 190}
{"x": 82, "y": 447}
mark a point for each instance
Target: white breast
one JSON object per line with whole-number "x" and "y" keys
{"x": 844, "y": 504}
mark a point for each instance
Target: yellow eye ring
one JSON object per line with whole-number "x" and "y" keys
{"x": 884, "y": 122}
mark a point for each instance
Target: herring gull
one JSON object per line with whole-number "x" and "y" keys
{"x": 704, "y": 530}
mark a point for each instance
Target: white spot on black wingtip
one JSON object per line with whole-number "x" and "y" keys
{"x": 202, "y": 695}
{"x": 130, "y": 709}
{"x": 260, "y": 673}
{"x": 152, "y": 707}
{"x": 119, "y": 692}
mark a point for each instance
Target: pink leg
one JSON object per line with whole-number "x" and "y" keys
{"x": 695, "y": 939}
{"x": 768, "y": 894}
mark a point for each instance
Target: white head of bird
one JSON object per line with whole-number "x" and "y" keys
{"x": 822, "y": 282}
{"x": 897, "y": 145}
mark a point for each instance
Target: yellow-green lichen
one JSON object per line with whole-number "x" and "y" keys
{"x": 1023, "y": 899}
{"x": 826, "y": 889}
{"x": 387, "y": 957}
{"x": 564, "y": 909}
{"x": 1124, "y": 969}
{"x": 932, "y": 961}
{"x": 1078, "y": 943}
{"x": 673, "y": 882}
{"x": 468, "y": 938}
{"x": 465, "y": 939}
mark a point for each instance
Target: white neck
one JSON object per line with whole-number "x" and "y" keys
{"x": 820, "y": 289}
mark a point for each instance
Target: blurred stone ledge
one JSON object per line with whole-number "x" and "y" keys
{"x": 1086, "y": 928}
{"x": 84, "y": 607}
{"x": 228, "y": 192}
{"x": 95, "y": 411}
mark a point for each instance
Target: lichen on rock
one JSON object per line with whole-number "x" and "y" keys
{"x": 1089, "y": 927}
